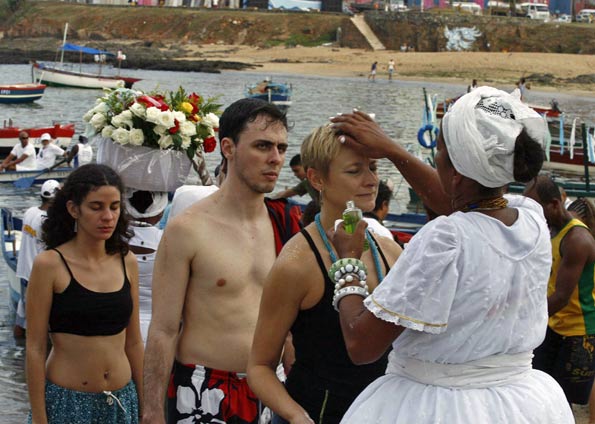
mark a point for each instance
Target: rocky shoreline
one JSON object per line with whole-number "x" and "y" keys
{"x": 138, "y": 57}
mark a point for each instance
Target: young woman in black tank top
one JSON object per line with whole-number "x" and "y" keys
{"x": 83, "y": 292}
{"x": 298, "y": 294}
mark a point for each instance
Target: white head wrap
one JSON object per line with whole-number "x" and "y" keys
{"x": 159, "y": 203}
{"x": 480, "y": 131}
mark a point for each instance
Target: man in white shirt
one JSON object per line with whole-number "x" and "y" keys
{"x": 21, "y": 157}
{"x": 82, "y": 153}
{"x": 46, "y": 158}
{"x": 31, "y": 245}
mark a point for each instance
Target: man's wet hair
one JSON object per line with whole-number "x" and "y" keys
{"x": 240, "y": 113}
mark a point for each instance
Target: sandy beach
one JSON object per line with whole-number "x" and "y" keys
{"x": 501, "y": 68}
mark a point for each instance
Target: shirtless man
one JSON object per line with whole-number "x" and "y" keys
{"x": 209, "y": 270}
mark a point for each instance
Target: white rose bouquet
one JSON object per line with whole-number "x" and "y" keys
{"x": 166, "y": 121}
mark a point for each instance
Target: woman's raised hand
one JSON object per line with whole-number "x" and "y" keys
{"x": 359, "y": 131}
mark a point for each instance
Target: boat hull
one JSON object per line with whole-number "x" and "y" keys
{"x": 60, "y": 78}
{"x": 278, "y": 94}
{"x": 55, "y": 174}
{"x": 21, "y": 93}
{"x": 9, "y": 136}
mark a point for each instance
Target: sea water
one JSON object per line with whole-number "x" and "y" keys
{"x": 397, "y": 106}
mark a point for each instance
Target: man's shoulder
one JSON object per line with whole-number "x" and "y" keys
{"x": 32, "y": 213}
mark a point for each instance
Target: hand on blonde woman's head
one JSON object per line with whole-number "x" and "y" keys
{"x": 348, "y": 245}
{"x": 360, "y": 132}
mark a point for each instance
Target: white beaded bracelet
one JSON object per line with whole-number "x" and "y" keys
{"x": 348, "y": 291}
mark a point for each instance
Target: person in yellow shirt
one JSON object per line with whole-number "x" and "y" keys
{"x": 568, "y": 351}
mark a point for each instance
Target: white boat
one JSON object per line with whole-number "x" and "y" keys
{"x": 53, "y": 76}
{"x": 10, "y": 230}
{"x": 57, "y": 75}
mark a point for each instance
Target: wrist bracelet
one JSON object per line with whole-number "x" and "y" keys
{"x": 348, "y": 291}
{"x": 347, "y": 265}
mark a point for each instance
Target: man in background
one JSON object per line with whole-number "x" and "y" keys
{"x": 31, "y": 246}
{"x": 303, "y": 186}
{"x": 374, "y": 218}
{"x": 81, "y": 152}
{"x": 21, "y": 157}
{"x": 46, "y": 157}
{"x": 568, "y": 351}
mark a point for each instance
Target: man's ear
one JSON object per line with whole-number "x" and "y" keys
{"x": 227, "y": 148}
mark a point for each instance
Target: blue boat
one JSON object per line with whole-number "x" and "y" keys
{"x": 273, "y": 92}
{"x": 21, "y": 93}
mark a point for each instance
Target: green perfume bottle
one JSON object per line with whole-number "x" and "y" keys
{"x": 351, "y": 216}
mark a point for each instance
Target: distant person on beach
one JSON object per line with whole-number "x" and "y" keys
{"x": 31, "y": 246}
{"x": 21, "y": 157}
{"x": 473, "y": 86}
{"x": 391, "y": 69}
{"x": 567, "y": 351}
{"x": 83, "y": 293}
{"x": 465, "y": 304}
{"x": 48, "y": 152}
{"x": 81, "y": 153}
{"x": 145, "y": 209}
{"x": 298, "y": 296}
{"x": 520, "y": 92}
{"x": 303, "y": 187}
{"x": 372, "y": 74}
{"x": 208, "y": 277}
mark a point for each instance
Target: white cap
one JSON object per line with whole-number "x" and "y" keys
{"x": 49, "y": 189}
{"x": 45, "y": 136}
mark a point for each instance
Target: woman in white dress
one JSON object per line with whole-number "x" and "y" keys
{"x": 465, "y": 304}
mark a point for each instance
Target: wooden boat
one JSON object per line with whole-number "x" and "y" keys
{"x": 21, "y": 93}
{"x": 58, "y": 75}
{"x": 54, "y": 76}
{"x": 273, "y": 92}
{"x": 9, "y": 135}
{"x": 10, "y": 231}
{"x": 55, "y": 174}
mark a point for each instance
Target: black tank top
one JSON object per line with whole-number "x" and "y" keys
{"x": 323, "y": 380}
{"x": 78, "y": 310}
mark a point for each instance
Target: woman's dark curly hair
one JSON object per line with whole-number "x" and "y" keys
{"x": 58, "y": 227}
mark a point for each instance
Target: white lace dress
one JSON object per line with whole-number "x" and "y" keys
{"x": 471, "y": 293}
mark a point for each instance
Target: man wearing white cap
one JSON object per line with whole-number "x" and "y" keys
{"x": 46, "y": 158}
{"x": 31, "y": 245}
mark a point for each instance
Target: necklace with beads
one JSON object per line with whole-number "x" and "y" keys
{"x": 486, "y": 205}
{"x": 371, "y": 242}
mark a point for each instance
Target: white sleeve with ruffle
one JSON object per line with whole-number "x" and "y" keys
{"x": 419, "y": 290}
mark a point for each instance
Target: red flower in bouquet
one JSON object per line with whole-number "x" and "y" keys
{"x": 209, "y": 144}
{"x": 175, "y": 128}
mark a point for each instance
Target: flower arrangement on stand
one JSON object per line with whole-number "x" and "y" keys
{"x": 149, "y": 134}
